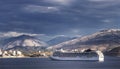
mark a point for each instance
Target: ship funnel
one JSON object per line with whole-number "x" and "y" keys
{"x": 100, "y": 55}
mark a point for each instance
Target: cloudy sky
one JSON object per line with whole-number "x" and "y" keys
{"x": 59, "y": 17}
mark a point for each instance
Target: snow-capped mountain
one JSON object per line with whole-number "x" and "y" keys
{"x": 58, "y": 40}
{"x": 24, "y": 41}
{"x": 103, "y": 39}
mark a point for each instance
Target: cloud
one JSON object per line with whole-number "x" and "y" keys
{"x": 15, "y": 34}
{"x": 58, "y": 36}
{"x": 61, "y": 2}
{"x": 41, "y": 16}
{"x": 105, "y": 3}
{"x": 40, "y": 9}
{"x": 75, "y": 31}
{"x": 103, "y": 0}
{"x": 107, "y": 21}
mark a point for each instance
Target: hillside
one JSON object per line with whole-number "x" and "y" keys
{"x": 99, "y": 40}
{"x": 23, "y": 40}
{"x": 113, "y": 52}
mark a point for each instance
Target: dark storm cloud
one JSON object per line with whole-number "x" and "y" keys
{"x": 59, "y": 16}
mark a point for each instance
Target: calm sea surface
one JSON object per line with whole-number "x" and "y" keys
{"x": 45, "y": 63}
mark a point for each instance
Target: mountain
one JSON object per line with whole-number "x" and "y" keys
{"x": 22, "y": 40}
{"x": 99, "y": 40}
{"x": 58, "y": 40}
{"x": 113, "y": 52}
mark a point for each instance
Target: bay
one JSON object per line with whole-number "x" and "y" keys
{"x": 46, "y": 63}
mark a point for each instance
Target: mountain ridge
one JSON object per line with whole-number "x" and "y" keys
{"x": 101, "y": 38}
{"x": 22, "y": 40}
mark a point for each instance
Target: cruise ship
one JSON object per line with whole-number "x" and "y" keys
{"x": 93, "y": 55}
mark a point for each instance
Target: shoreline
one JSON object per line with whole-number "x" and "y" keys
{"x": 21, "y": 57}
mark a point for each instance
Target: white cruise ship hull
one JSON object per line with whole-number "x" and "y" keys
{"x": 74, "y": 58}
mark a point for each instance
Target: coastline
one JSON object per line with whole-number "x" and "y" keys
{"x": 21, "y": 57}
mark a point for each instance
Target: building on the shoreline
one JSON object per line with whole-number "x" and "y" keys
{"x": 1, "y": 52}
{"x": 12, "y": 53}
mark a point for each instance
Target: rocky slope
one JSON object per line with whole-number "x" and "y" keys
{"x": 113, "y": 52}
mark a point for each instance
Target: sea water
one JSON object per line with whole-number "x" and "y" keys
{"x": 46, "y": 63}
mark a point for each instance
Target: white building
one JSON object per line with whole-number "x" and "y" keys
{"x": 12, "y": 53}
{"x": 1, "y": 52}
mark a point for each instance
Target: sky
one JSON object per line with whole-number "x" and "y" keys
{"x": 58, "y": 17}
